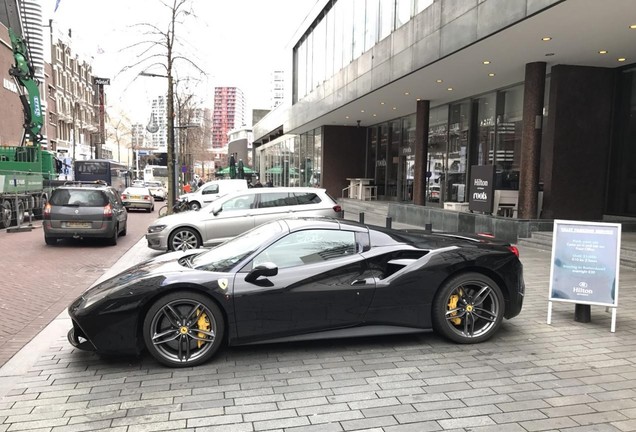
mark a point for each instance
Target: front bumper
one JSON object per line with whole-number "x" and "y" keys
{"x": 157, "y": 241}
{"x": 77, "y": 338}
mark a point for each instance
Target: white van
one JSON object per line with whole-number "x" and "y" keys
{"x": 210, "y": 191}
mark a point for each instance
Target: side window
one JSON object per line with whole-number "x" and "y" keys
{"x": 307, "y": 198}
{"x": 212, "y": 189}
{"x": 114, "y": 197}
{"x": 308, "y": 247}
{"x": 239, "y": 203}
{"x": 277, "y": 199}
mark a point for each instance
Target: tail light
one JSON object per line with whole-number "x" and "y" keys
{"x": 124, "y": 196}
{"x": 147, "y": 197}
{"x": 514, "y": 250}
{"x": 108, "y": 211}
{"x": 337, "y": 208}
{"x": 47, "y": 211}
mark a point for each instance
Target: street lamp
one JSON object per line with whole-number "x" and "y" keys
{"x": 172, "y": 187}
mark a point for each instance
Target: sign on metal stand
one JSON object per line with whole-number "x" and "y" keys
{"x": 585, "y": 265}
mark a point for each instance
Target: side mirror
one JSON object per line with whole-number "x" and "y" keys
{"x": 216, "y": 209}
{"x": 266, "y": 269}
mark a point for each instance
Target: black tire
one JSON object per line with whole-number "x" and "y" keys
{"x": 51, "y": 241}
{"x": 194, "y": 205}
{"x": 468, "y": 308}
{"x": 174, "y": 329}
{"x": 184, "y": 239}
{"x": 112, "y": 240}
{"x": 125, "y": 230}
{"x": 5, "y": 214}
{"x": 18, "y": 215}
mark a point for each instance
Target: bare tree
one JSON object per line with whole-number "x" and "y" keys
{"x": 119, "y": 131}
{"x": 160, "y": 50}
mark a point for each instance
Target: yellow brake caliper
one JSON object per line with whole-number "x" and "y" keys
{"x": 203, "y": 323}
{"x": 452, "y": 304}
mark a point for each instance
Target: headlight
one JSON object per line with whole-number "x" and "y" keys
{"x": 92, "y": 299}
{"x": 156, "y": 228}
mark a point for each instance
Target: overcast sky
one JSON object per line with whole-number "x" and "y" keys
{"x": 237, "y": 43}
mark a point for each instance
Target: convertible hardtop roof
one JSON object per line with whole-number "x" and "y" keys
{"x": 301, "y": 223}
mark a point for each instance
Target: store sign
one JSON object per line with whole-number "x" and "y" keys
{"x": 101, "y": 81}
{"x": 585, "y": 262}
{"x": 482, "y": 188}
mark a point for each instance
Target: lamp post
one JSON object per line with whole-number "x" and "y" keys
{"x": 172, "y": 186}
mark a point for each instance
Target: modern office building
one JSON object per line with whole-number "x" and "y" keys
{"x": 416, "y": 95}
{"x": 228, "y": 114}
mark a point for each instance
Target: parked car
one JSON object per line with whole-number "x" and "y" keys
{"x": 157, "y": 190}
{"x": 210, "y": 191}
{"x": 295, "y": 279}
{"x": 236, "y": 213}
{"x": 79, "y": 210}
{"x": 434, "y": 193}
{"x": 138, "y": 198}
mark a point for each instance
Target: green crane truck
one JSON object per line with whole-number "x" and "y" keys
{"x": 27, "y": 172}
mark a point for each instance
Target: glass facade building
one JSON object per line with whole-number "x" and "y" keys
{"x": 440, "y": 86}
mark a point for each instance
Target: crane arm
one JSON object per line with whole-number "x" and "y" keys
{"x": 23, "y": 72}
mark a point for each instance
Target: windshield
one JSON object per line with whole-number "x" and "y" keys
{"x": 226, "y": 255}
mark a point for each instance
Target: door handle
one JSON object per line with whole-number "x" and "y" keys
{"x": 359, "y": 282}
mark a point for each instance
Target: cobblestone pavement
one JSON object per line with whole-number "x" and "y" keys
{"x": 531, "y": 376}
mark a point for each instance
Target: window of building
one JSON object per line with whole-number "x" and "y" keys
{"x": 403, "y": 10}
{"x": 457, "y": 158}
{"x": 372, "y": 24}
{"x": 508, "y": 138}
{"x": 387, "y": 14}
{"x": 420, "y": 5}
{"x": 359, "y": 22}
{"x": 485, "y": 109}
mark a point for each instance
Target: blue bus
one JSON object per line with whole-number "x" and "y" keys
{"x": 112, "y": 172}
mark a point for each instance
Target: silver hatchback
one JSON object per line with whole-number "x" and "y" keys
{"x": 235, "y": 213}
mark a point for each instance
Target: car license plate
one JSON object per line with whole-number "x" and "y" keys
{"x": 78, "y": 224}
{"x": 135, "y": 197}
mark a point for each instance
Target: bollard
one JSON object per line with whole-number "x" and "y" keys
{"x": 388, "y": 222}
{"x": 428, "y": 227}
{"x": 361, "y": 215}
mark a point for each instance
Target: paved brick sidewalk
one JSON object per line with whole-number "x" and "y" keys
{"x": 39, "y": 281}
{"x": 531, "y": 377}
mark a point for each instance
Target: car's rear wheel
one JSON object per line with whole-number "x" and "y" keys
{"x": 51, "y": 241}
{"x": 184, "y": 239}
{"x": 112, "y": 240}
{"x": 468, "y": 308}
{"x": 194, "y": 205}
{"x": 183, "y": 329}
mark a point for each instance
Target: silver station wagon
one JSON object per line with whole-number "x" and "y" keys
{"x": 235, "y": 213}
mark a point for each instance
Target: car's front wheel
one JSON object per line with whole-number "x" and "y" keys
{"x": 194, "y": 205}
{"x": 183, "y": 329}
{"x": 184, "y": 239}
{"x": 468, "y": 308}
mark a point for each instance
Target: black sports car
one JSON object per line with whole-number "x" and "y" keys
{"x": 296, "y": 279}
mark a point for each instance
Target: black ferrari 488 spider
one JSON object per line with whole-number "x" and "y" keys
{"x": 296, "y": 279}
